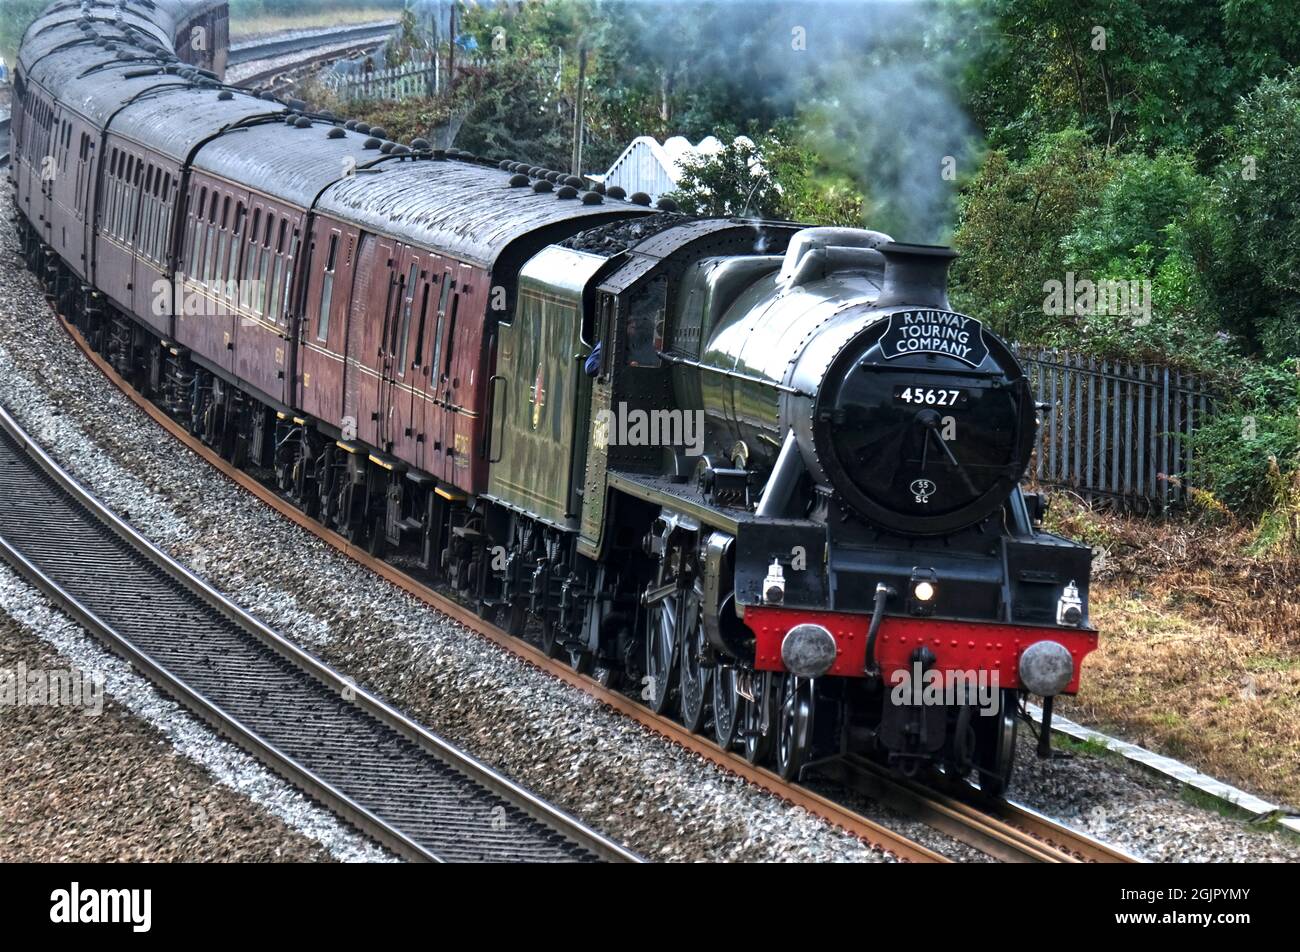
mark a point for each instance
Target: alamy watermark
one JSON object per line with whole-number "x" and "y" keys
{"x": 185, "y": 299}
{"x": 620, "y": 426}
{"x": 35, "y": 687}
{"x": 918, "y": 687}
{"x": 1084, "y": 296}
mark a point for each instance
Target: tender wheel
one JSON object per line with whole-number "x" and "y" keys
{"x": 693, "y": 683}
{"x": 726, "y": 706}
{"x": 579, "y": 659}
{"x": 757, "y": 741}
{"x": 661, "y": 645}
{"x": 995, "y": 745}
{"x": 794, "y": 726}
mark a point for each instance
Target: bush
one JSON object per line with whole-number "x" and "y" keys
{"x": 1014, "y": 221}
{"x": 777, "y": 177}
{"x": 1251, "y": 239}
{"x": 1251, "y": 442}
{"x": 1130, "y": 223}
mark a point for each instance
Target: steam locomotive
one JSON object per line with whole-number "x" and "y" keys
{"x": 761, "y": 474}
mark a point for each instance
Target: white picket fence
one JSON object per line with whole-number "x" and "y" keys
{"x": 414, "y": 78}
{"x": 418, "y": 77}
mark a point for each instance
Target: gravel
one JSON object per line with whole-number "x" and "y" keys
{"x": 134, "y": 777}
{"x": 1151, "y": 817}
{"x": 662, "y": 801}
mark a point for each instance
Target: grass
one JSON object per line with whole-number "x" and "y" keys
{"x": 1200, "y": 646}
{"x": 246, "y": 28}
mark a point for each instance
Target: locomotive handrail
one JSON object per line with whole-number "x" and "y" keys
{"x": 491, "y": 411}
{"x": 687, "y": 362}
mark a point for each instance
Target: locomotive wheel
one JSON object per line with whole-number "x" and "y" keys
{"x": 794, "y": 726}
{"x": 726, "y": 706}
{"x": 758, "y": 743}
{"x": 995, "y": 745}
{"x": 517, "y": 619}
{"x": 693, "y": 685}
{"x": 663, "y": 634}
{"x": 375, "y": 540}
{"x": 550, "y": 643}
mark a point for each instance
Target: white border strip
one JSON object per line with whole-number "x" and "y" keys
{"x": 1168, "y": 767}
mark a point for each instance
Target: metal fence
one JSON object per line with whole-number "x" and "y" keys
{"x": 1115, "y": 431}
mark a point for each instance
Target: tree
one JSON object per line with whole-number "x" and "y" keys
{"x": 1248, "y": 239}
{"x": 774, "y": 178}
{"x": 1014, "y": 221}
{"x": 18, "y": 16}
{"x": 1133, "y": 74}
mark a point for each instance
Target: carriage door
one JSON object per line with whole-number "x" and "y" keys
{"x": 440, "y": 459}
{"x": 374, "y": 276}
{"x": 412, "y": 366}
{"x": 391, "y": 376}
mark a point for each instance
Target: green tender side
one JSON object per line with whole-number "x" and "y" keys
{"x": 541, "y": 396}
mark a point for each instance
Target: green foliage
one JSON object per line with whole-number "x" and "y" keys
{"x": 1167, "y": 78}
{"x": 18, "y": 15}
{"x": 405, "y": 120}
{"x": 1013, "y": 228}
{"x": 776, "y": 178}
{"x": 1132, "y": 215}
{"x": 1252, "y": 232}
{"x": 514, "y": 109}
{"x": 1252, "y": 442}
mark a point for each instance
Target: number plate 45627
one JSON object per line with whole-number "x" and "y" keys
{"x": 938, "y": 397}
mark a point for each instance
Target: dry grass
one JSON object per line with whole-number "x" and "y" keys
{"x": 1200, "y": 649}
{"x": 246, "y": 29}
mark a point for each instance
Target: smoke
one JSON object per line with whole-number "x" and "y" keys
{"x": 875, "y": 82}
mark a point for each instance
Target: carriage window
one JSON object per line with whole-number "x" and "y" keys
{"x": 288, "y": 274}
{"x": 148, "y": 227}
{"x": 223, "y": 245}
{"x": 110, "y": 205}
{"x": 435, "y": 361}
{"x": 137, "y": 201}
{"x": 167, "y": 215}
{"x": 232, "y": 266}
{"x": 146, "y": 209}
{"x": 250, "y": 260}
{"x": 263, "y": 303}
{"x": 396, "y": 291}
{"x": 277, "y": 308}
{"x": 405, "y": 331}
{"x": 327, "y": 290}
{"x": 196, "y": 256}
{"x": 210, "y": 258}
{"x": 451, "y": 334}
{"x": 419, "y": 335}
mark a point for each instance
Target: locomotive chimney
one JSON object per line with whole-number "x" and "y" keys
{"x": 916, "y": 275}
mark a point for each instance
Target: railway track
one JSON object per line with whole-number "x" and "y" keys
{"x": 409, "y": 789}
{"x": 253, "y": 52}
{"x": 342, "y": 44}
{"x": 1007, "y": 832}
